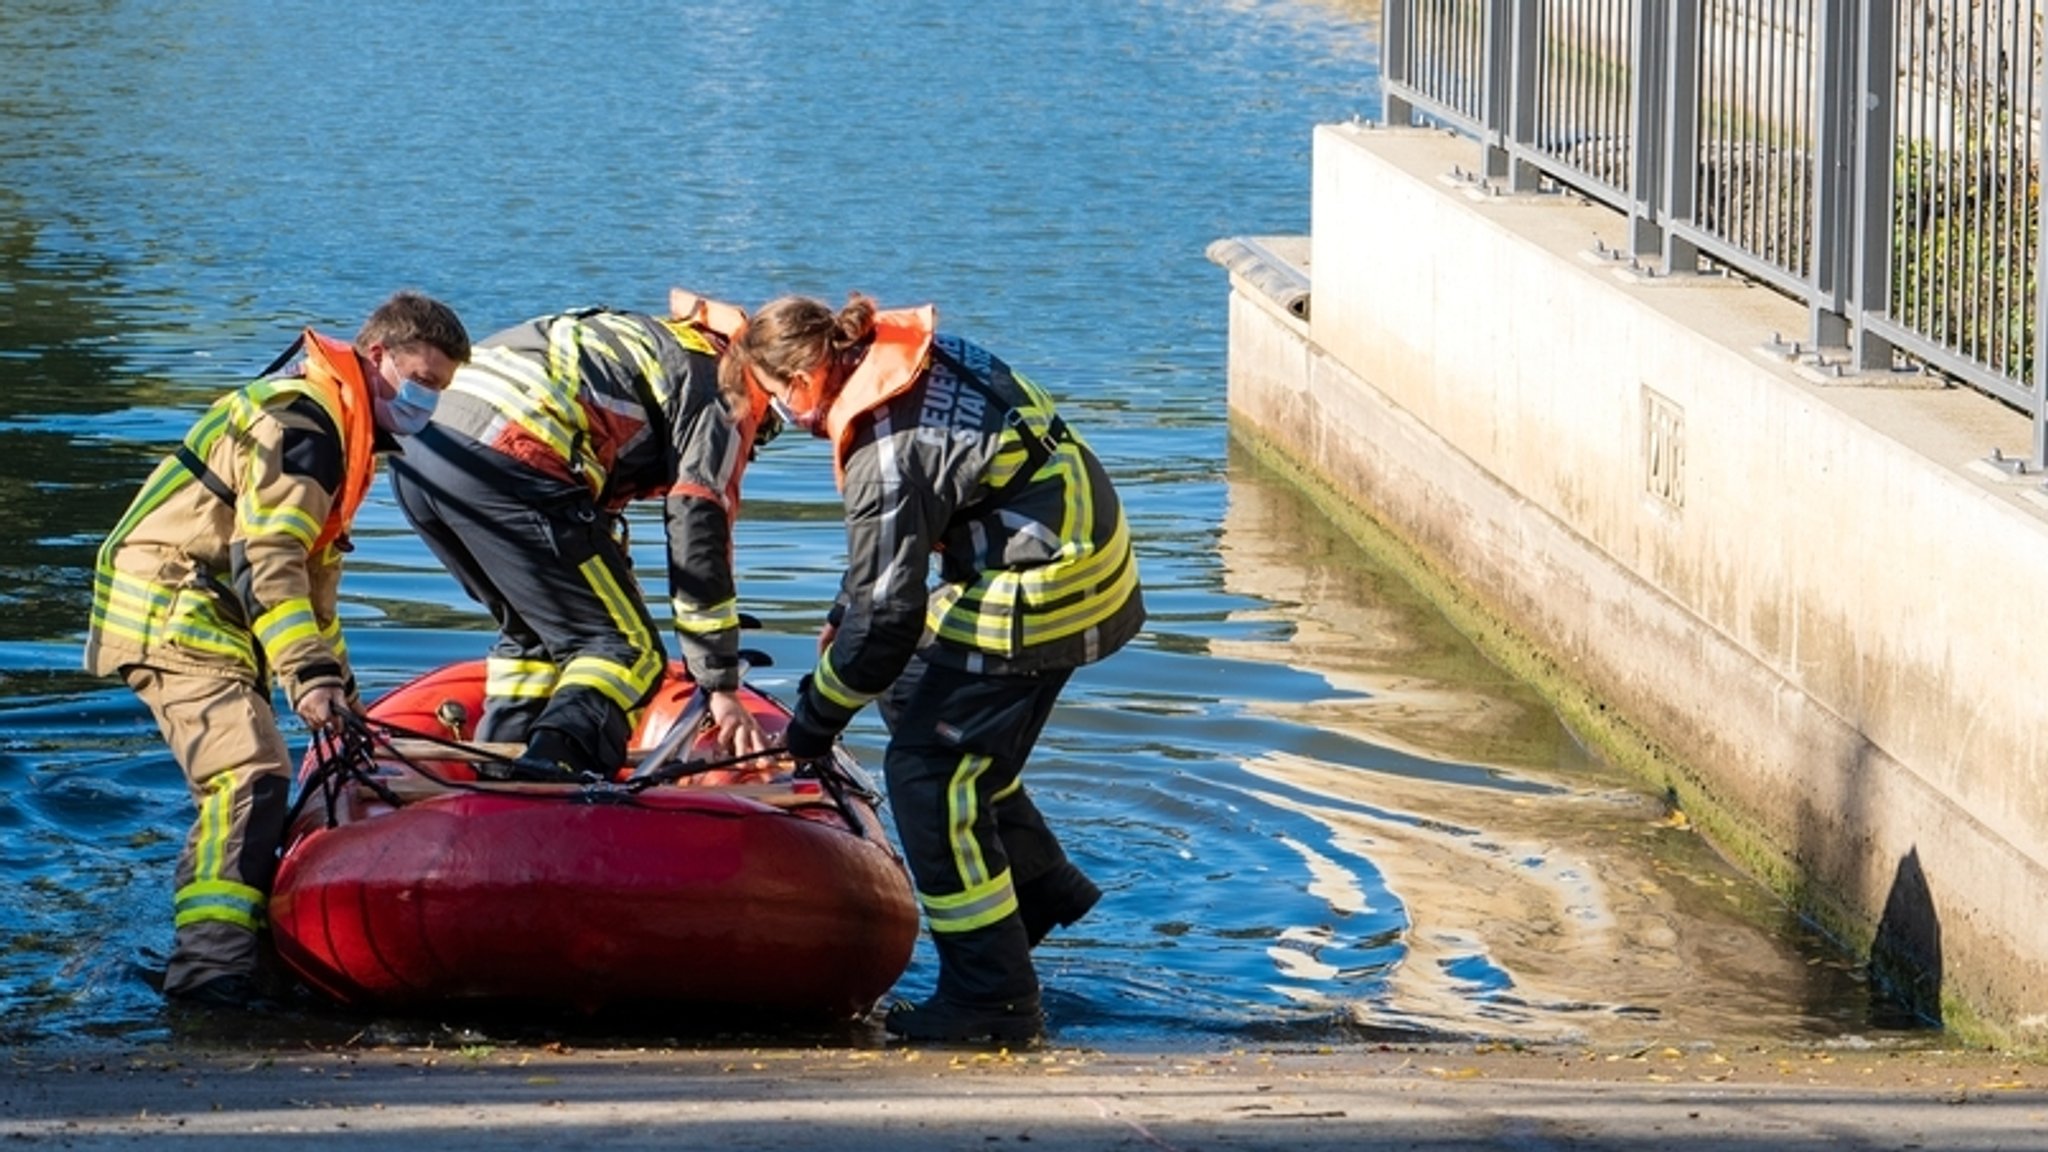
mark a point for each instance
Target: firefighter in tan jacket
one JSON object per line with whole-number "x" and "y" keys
{"x": 223, "y": 574}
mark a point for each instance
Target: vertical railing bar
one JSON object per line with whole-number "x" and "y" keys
{"x": 1739, "y": 121}
{"x": 1523, "y": 50}
{"x": 1810, "y": 105}
{"x": 1759, "y": 130}
{"x": 1570, "y": 75}
{"x": 1758, "y": 150}
{"x": 1620, "y": 89}
{"x": 1642, "y": 123}
{"x": 1639, "y": 103}
{"x": 1545, "y": 88}
{"x": 1788, "y": 224}
{"x": 1780, "y": 42}
{"x": 1395, "y": 77}
{"x": 1876, "y": 95}
{"x": 1585, "y": 126}
{"x": 2039, "y": 376}
{"x": 1769, "y": 93}
{"x": 1603, "y": 93}
{"x": 1600, "y": 92}
{"x": 1966, "y": 192}
{"x": 1973, "y": 163}
{"x": 1930, "y": 269}
{"x": 1766, "y": 44}
{"x": 1708, "y": 183}
{"x": 2029, "y": 344}
{"x": 1682, "y": 81}
{"x": 2017, "y": 120}
{"x": 1731, "y": 127}
{"x": 1828, "y": 280}
{"x": 1916, "y": 223}
{"x": 1738, "y": 125}
{"x": 1434, "y": 49}
{"x": 1937, "y": 160}
{"x": 1804, "y": 138}
{"x": 1950, "y": 256}
{"x": 1799, "y": 130}
{"x": 1592, "y": 127}
{"x": 1442, "y": 29}
{"x": 1999, "y": 261}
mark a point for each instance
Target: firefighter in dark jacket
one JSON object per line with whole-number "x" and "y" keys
{"x": 942, "y": 450}
{"x": 520, "y": 485}
{"x": 224, "y": 573}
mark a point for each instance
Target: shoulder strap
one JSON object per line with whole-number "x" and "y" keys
{"x": 1037, "y": 448}
{"x": 207, "y": 477}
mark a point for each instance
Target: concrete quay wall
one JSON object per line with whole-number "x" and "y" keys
{"x": 1807, "y": 607}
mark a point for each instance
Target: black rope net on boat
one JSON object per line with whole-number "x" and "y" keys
{"x": 359, "y": 755}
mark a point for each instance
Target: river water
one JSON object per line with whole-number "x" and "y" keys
{"x": 1318, "y": 815}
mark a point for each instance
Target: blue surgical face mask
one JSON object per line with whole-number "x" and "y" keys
{"x": 409, "y": 408}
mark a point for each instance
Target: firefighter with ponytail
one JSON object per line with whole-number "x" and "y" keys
{"x": 943, "y": 451}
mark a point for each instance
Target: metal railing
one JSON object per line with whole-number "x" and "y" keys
{"x": 1877, "y": 160}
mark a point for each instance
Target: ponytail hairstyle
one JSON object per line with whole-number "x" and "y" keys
{"x": 793, "y": 334}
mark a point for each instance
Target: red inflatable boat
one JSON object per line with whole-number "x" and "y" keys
{"x": 414, "y": 883}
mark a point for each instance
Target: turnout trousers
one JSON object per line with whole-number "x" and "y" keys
{"x": 971, "y": 834}
{"x": 223, "y": 732}
{"x": 578, "y": 654}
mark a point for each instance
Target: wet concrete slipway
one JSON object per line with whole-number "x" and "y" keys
{"x": 1051, "y": 1100}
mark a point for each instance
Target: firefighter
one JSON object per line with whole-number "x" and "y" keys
{"x": 520, "y": 485}
{"x": 942, "y": 449}
{"x": 224, "y": 573}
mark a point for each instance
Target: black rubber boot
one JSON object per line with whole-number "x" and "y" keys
{"x": 1056, "y": 899}
{"x": 988, "y": 991}
{"x": 937, "y": 1020}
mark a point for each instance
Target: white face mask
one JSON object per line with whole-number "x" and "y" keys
{"x": 407, "y": 411}
{"x": 812, "y": 421}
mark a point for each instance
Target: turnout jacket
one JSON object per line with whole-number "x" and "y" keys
{"x": 627, "y": 405}
{"x": 941, "y": 448}
{"x": 228, "y": 561}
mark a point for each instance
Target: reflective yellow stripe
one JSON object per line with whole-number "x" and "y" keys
{"x": 1043, "y": 627}
{"x": 826, "y": 680}
{"x": 1081, "y": 566}
{"x": 696, "y": 621}
{"x": 981, "y": 616}
{"x": 144, "y": 614}
{"x": 518, "y": 679}
{"x": 646, "y": 361}
{"x": 289, "y": 520}
{"x": 542, "y": 404}
{"x": 622, "y": 684}
{"x": 286, "y": 625}
{"x": 223, "y": 900}
{"x": 215, "y": 812}
{"x": 978, "y": 907}
{"x": 963, "y": 805}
